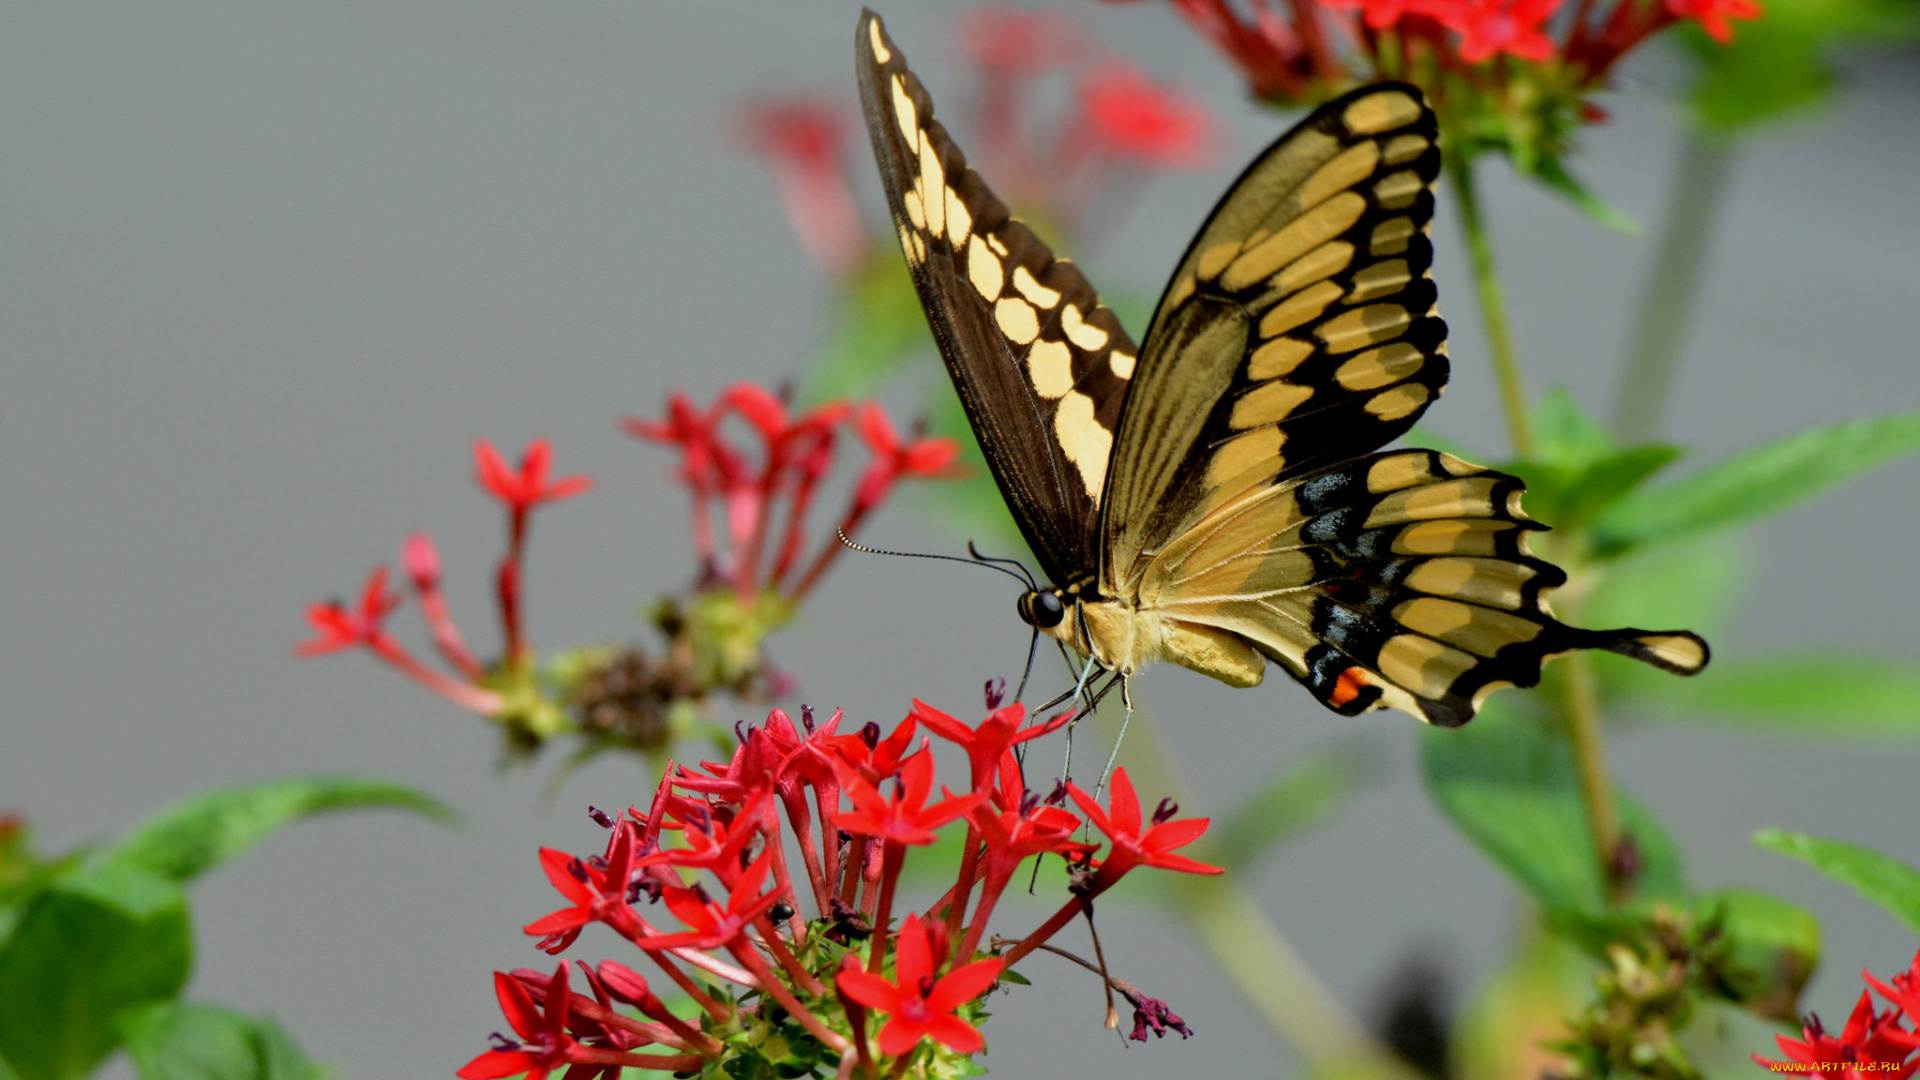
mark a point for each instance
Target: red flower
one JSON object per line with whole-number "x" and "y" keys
{"x": 689, "y": 429}
{"x": 905, "y": 818}
{"x": 713, "y": 925}
{"x": 803, "y": 141}
{"x": 893, "y": 459}
{"x": 1278, "y": 61}
{"x": 598, "y": 895}
{"x": 1132, "y": 847}
{"x": 1870, "y": 1046}
{"x": 873, "y": 757}
{"x": 917, "y": 1005}
{"x": 547, "y": 1043}
{"x": 1490, "y": 27}
{"x": 1130, "y": 117}
{"x": 1006, "y": 42}
{"x": 717, "y": 845}
{"x": 527, "y": 488}
{"x": 1904, "y": 994}
{"x": 986, "y": 744}
{"x": 1712, "y": 15}
{"x": 340, "y": 629}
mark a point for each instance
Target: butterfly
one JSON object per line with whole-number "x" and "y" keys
{"x": 1218, "y": 498}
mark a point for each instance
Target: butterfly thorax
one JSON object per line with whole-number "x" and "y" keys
{"x": 1124, "y": 637}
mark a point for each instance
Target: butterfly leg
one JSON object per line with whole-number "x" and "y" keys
{"x": 1126, "y": 698}
{"x": 1079, "y": 691}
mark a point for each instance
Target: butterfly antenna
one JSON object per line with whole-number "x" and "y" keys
{"x": 1022, "y": 577}
{"x": 996, "y": 560}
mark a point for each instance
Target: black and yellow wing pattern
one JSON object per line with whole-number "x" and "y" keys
{"x": 1218, "y": 498}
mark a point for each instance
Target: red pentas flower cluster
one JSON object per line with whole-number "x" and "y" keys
{"x": 712, "y": 880}
{"x": 1509, "y": 75}
{"x": 1885, "y": 1043}
{"x": 1293, "y": 53}
{"x": 757, "y": 560}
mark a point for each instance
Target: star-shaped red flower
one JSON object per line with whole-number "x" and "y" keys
{"x": 597, "y": 895}
{"x": 547, "y": 1042}
{"x": 339, "y": 628}
{"x": 529, "y": 486}
{"x": 1871, "y": 1045}
{"x": 905, "y": 818}
{"x": 919, "y": 1006}
{"x": 985, "y": 745}
{"x": 712, "y": 925}
{"x": 1133, "y": 847}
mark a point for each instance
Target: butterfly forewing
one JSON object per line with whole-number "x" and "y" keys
{"x": 1298, "y": 329}
{"x": 1040, "y": 364}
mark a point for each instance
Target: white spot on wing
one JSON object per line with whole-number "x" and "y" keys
{"x": 1083, "y": 440}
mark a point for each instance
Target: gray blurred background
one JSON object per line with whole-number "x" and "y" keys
{"x": 267, "y": 269}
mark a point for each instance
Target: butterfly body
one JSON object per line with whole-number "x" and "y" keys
{"x": 1217, "y": 498}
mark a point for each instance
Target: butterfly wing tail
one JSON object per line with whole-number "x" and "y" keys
{"x": 1682, "y": 652}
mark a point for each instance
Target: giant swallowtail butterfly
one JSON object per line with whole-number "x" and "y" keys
{"x": 1218, "y": 498}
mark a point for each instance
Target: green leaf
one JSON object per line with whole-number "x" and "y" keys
{"x": 879, "y": 326}
{"x": 1758, "y": 482}
{"x": 208, "y": 829}
{"x": 1691, "y": 585}
{"x": 1553, "y": 175}
{"x": 1570, "y": 496}
{"x": 1510, "y": 785}
{"x": 1821, "y": 695}
{"x": 103, "y": 940}
{"x": 1780, "y": 63}
{"x": 1893, "y": 885}
{"x": 1773, "y": 948}
{"x": 1564, "y": 434}
{"x": 1305, "y": 794}
{"x": 190, "y": 1041}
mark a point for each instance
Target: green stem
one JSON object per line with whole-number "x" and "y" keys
{"x": 1493, "y": 312}
{"x": 1672, "y": 286}
{"x": 1581, "y": 706}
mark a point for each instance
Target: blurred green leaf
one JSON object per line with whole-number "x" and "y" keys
{"x": 1690, "y": 585}
{"x": 1509, "y": 784}
{"x": 1758, "y": 482}
{"x": 1564, "y": 434}
{"x": 103, "y": 940}
{"x": 1570, "y": 496}
{"x": 1820, "y": 695}
{"x": 190, "y": 1041}
{"x": 1780, "y": 63}
{"x": 1553, "y": 174}
{"x": 208, "y": 829}
{"x": 879, "y": 326}
{"x": 1773, "y": 948}
{"x": 1499, "y": 1033}
{"x": 1295, "y": 799}
{"x": 1887, "y": 882}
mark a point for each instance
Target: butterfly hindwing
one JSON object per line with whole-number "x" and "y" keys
{"x": 1396, "y": 580}
{"x": 1297, "y": 331}
{"x": 1040, "y": 364}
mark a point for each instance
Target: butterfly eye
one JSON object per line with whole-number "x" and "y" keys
{"x": 1041, "y": 609}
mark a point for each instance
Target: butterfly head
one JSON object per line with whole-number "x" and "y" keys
{"x": 1042, "y": 610}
